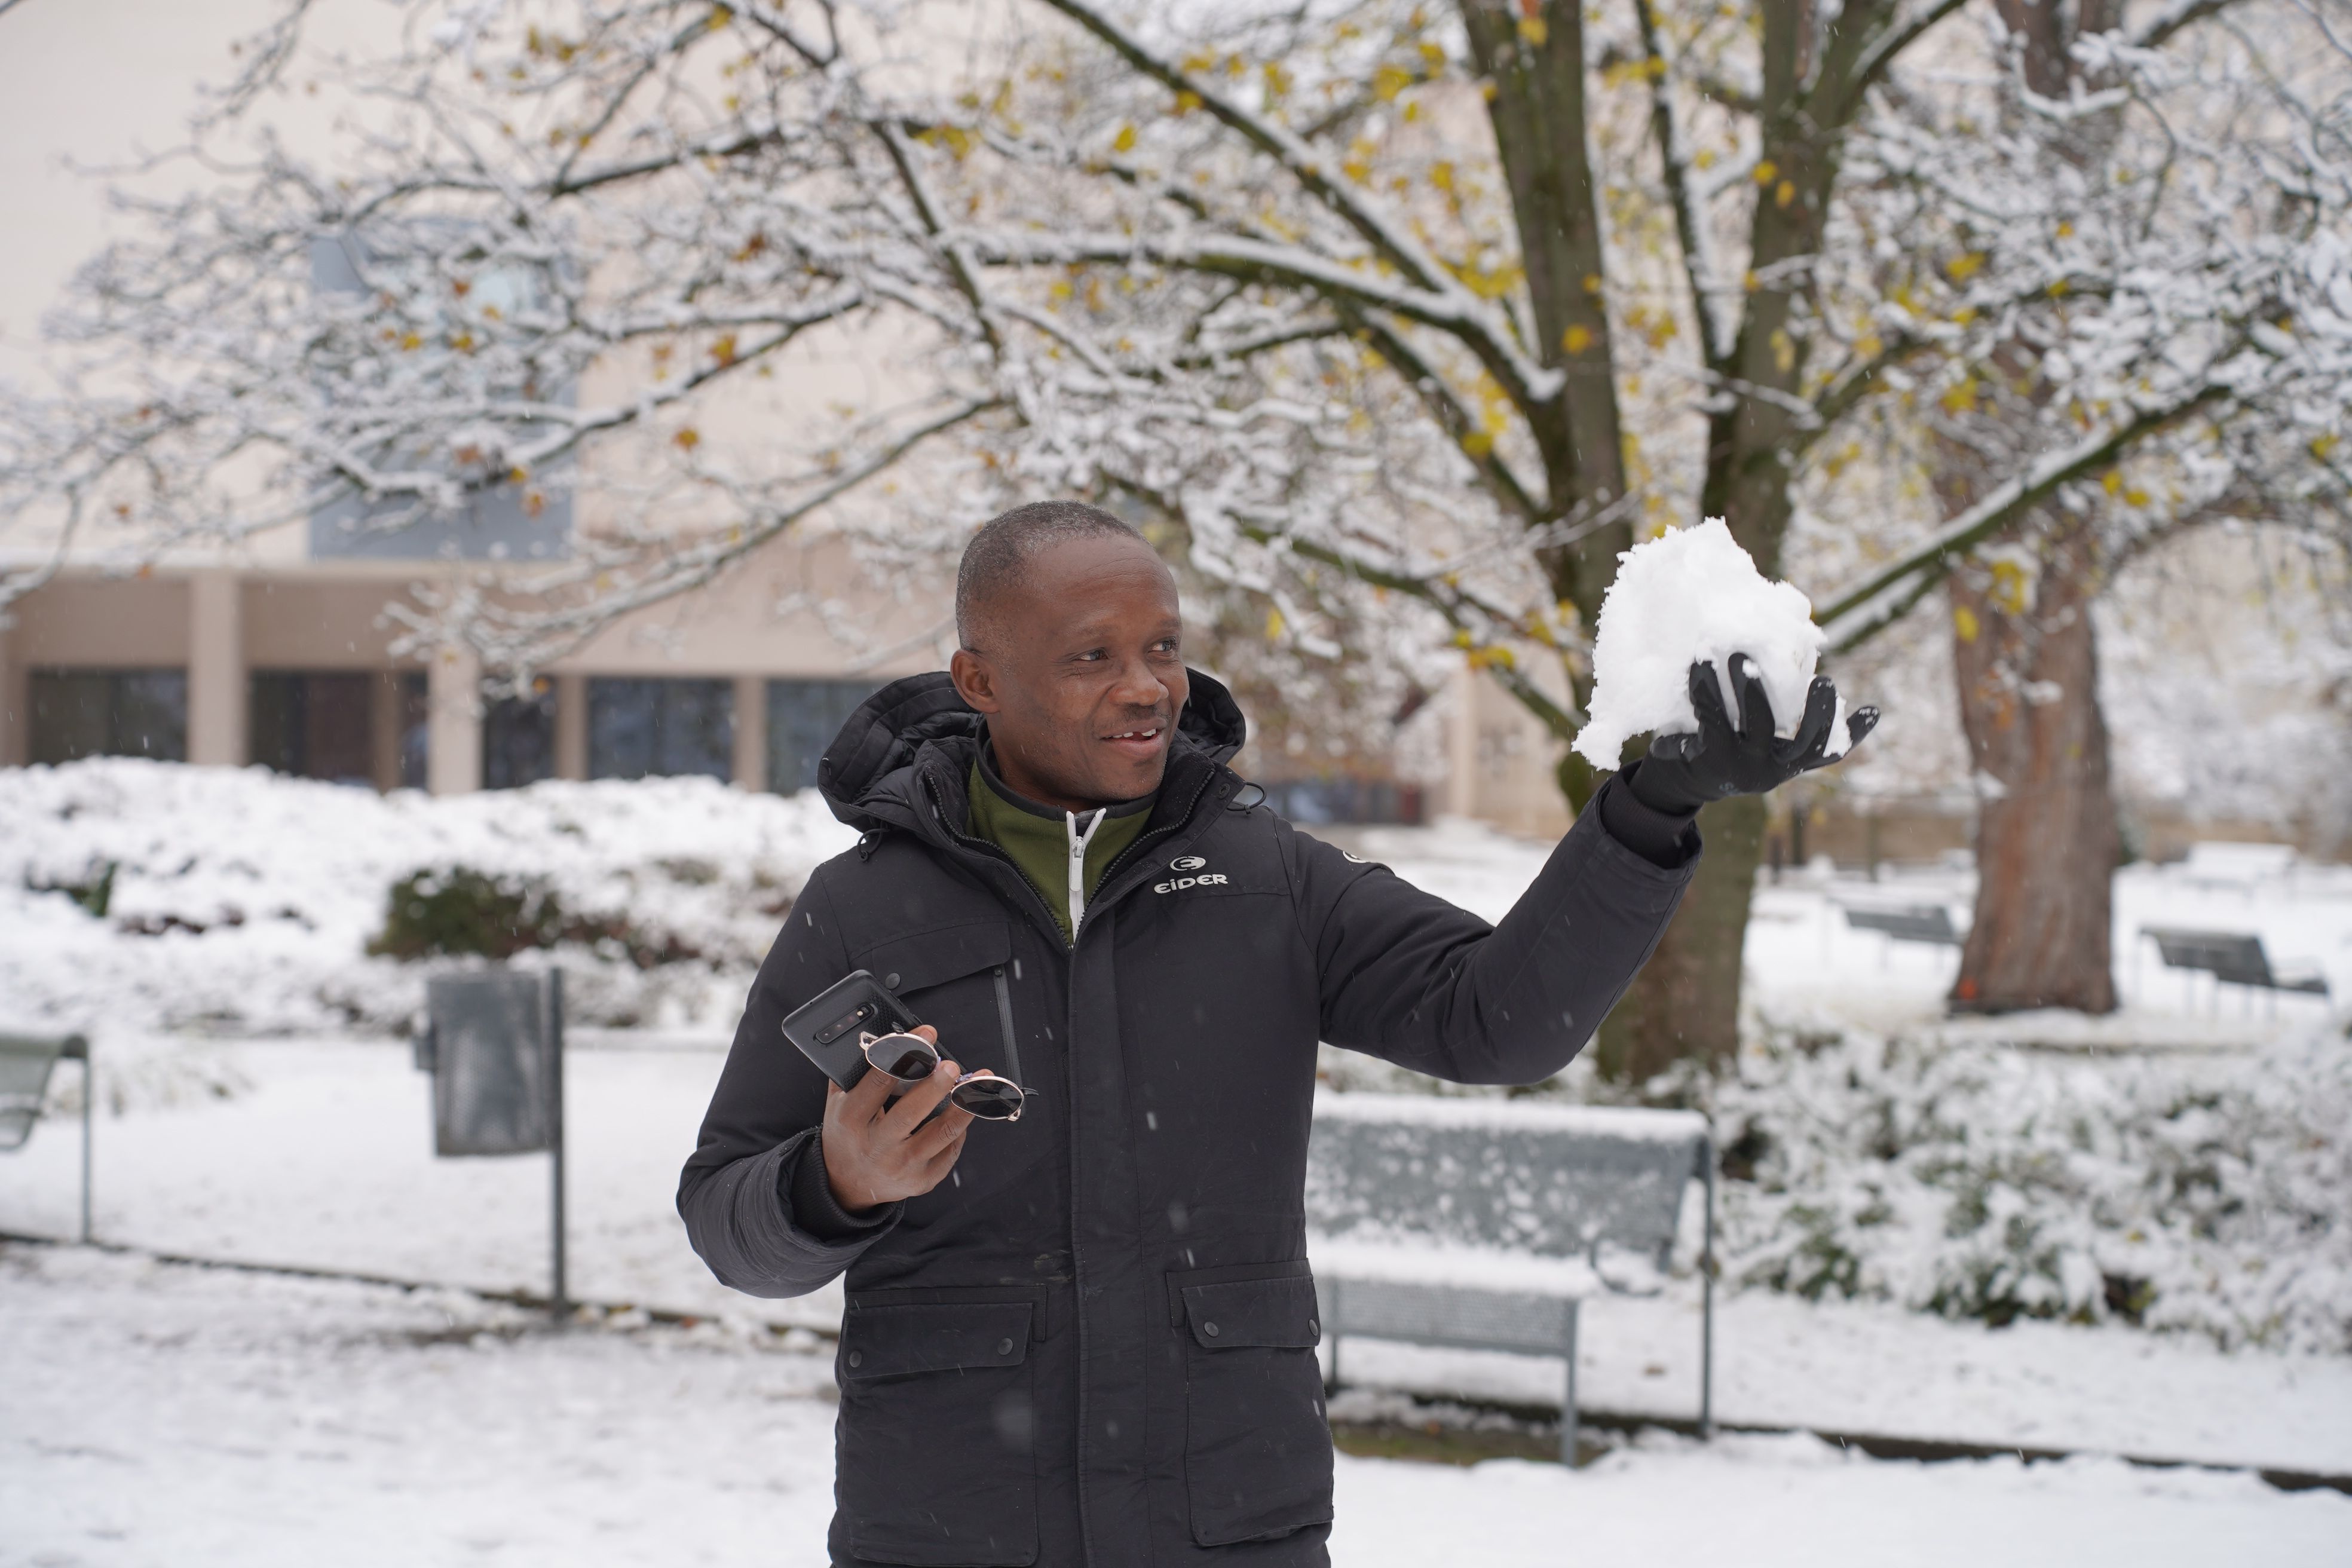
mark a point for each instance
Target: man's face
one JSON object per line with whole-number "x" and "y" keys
{"x": 1081, "y": 673}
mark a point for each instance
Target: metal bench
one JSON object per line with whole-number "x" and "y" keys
{"x": 1479, "y": 1223}
{"x": 1930, "y": 923}
{"x": 2231, "y": 958}
{"x": 26, "y": 1062}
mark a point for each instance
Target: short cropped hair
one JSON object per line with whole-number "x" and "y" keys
{"x": 994, "y": 558}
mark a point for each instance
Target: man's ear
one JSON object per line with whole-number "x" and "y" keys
{"x": 975, "y": 682}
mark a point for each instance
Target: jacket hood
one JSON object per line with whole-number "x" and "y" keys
{"x": 866, "y": 776}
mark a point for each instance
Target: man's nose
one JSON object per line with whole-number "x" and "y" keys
{"x": 1138, "y": 685}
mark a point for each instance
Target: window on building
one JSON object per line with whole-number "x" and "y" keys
{"x": 314, "y": 726}
{"x": 522, "y": 520}
{"x": 110, "y": 713}
{"x": 1342, "y": 799}
{"x": 518, "y": 738}
{"x": 642, "y": 729}
{"x": 803, "y": 716}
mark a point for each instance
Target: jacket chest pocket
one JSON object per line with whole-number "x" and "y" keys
{"x": 936, "y": 1460}
{"x": 949, "y": 979}
{"x": 1257, "y": 1445}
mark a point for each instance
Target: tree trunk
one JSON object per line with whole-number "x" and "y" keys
{"x": 2026, "y": 659}
{"x": 1685, "y": 1001}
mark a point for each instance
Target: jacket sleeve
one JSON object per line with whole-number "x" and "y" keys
{"x": 752, "y": 1192}
{"x": 1412, "y": 979}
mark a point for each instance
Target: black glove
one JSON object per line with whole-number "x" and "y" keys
{"x": 1683, "y": 772}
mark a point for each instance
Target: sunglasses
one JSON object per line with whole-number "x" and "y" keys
{"x": 910, "y": 1058}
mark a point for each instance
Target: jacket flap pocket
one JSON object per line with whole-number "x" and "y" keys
{"x": 1242, "y": 1313}
{"x": 894, "y": 1342}
{"x": 935, "y": 957}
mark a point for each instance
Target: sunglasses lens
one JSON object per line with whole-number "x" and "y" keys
{"x": 903, "y": 1057}
{"x": 989, "y": 1099}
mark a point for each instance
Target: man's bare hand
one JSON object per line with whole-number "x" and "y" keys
{"x": 875, "y": 1156}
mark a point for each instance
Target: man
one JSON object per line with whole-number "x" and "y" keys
{"x": 1063, "y": 881}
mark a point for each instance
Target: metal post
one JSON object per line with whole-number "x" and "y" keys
{"x": 1706, "y": 1297}
{"x": 88, "y": 1119}
{"x": 557, "y": 1304}
{"x": 1567, "y": 1398}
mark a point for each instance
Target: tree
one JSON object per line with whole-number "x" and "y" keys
{"x": 1398, "y": 324}
{"x": 2138, "y": 160}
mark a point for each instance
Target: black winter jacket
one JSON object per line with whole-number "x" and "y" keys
{"x": 1095, "y": 1343}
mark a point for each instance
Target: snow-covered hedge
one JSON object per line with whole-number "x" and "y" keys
{"x": 2208, "y": 1194}
{"x": 2202, "y": 1194}
{"x": 144, "y": 894}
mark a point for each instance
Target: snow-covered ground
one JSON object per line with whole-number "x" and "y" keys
{"x": 159, "y": 1414}
{"x": 293, "y": 1131}
{"x": 323, "y": 1159}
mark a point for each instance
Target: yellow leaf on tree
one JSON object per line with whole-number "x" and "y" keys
{"x": 1187, "y": 102}
{"x": 1534, "y": 31}
{"x": 1964, "y": 622}
{"x": 1960, "y": 268}
{"x": 1867, "y": 346}
{"x": 2321, "y": 446}
{"x": 1124, "y": 141}
{"x": 1390, "y": 80}
{"x": 1767, "y": 172}
{"x": 1441, "y": 175}
{"x": 1477, "y": 443}
{"x": 1784, "y": 192}
{"x": 2112, "y": 481}
{"x": 1274, "y": 624}
{"x": 1577, "y": 339}
{"x": 687, "y": 439}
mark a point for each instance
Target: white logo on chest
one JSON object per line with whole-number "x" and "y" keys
{"x": 1177, "y": 884}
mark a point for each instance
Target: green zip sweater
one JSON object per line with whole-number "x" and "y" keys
{"x": 1043, "y": 842}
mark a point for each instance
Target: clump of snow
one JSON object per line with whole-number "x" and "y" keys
{"x": 1693, "y": 594}
{"x": 241, "y": 901}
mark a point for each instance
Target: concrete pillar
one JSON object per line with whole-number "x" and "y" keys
{"x": 1462, "y": 745}
{"x": 571, "y": 726}
{"x": 217, "y": 682}
{"x": 453, "y": 735}
{"x": 751, "y": 733}
{"x": 383, "y": 730}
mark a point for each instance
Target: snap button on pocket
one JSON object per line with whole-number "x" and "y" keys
{"x": 857, "y": 1358}
{"x": 1005, "y": 1347}
{"x": 1313, "y": 1327}
{"x": 891, "y": 980}
{"x": 1210, "y": 1329}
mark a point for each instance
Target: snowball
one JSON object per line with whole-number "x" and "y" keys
{"x": 1693, "y": 594}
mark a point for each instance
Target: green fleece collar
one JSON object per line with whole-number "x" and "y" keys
{"x": 1042, "y": 841}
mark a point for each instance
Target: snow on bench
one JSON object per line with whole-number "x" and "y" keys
{"x": 1480, "y": 1224}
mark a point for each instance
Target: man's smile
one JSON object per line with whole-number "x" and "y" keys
{"x": 1139, "y": 741}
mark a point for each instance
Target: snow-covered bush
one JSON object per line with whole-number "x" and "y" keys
{"x": 142, "y": 894}
{"x": 2201, "y": 1194}
{"x": 2205, "y": 1194}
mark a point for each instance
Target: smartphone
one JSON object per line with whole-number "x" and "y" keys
{"x": 829, "y": 1028}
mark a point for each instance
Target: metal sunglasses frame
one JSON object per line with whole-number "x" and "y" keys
{"x": 910, "y": 1058}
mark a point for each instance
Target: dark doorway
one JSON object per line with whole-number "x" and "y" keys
{"x": 110, "y": 713}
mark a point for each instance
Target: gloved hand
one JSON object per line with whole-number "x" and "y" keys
{"x": 1683, "y": 772}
